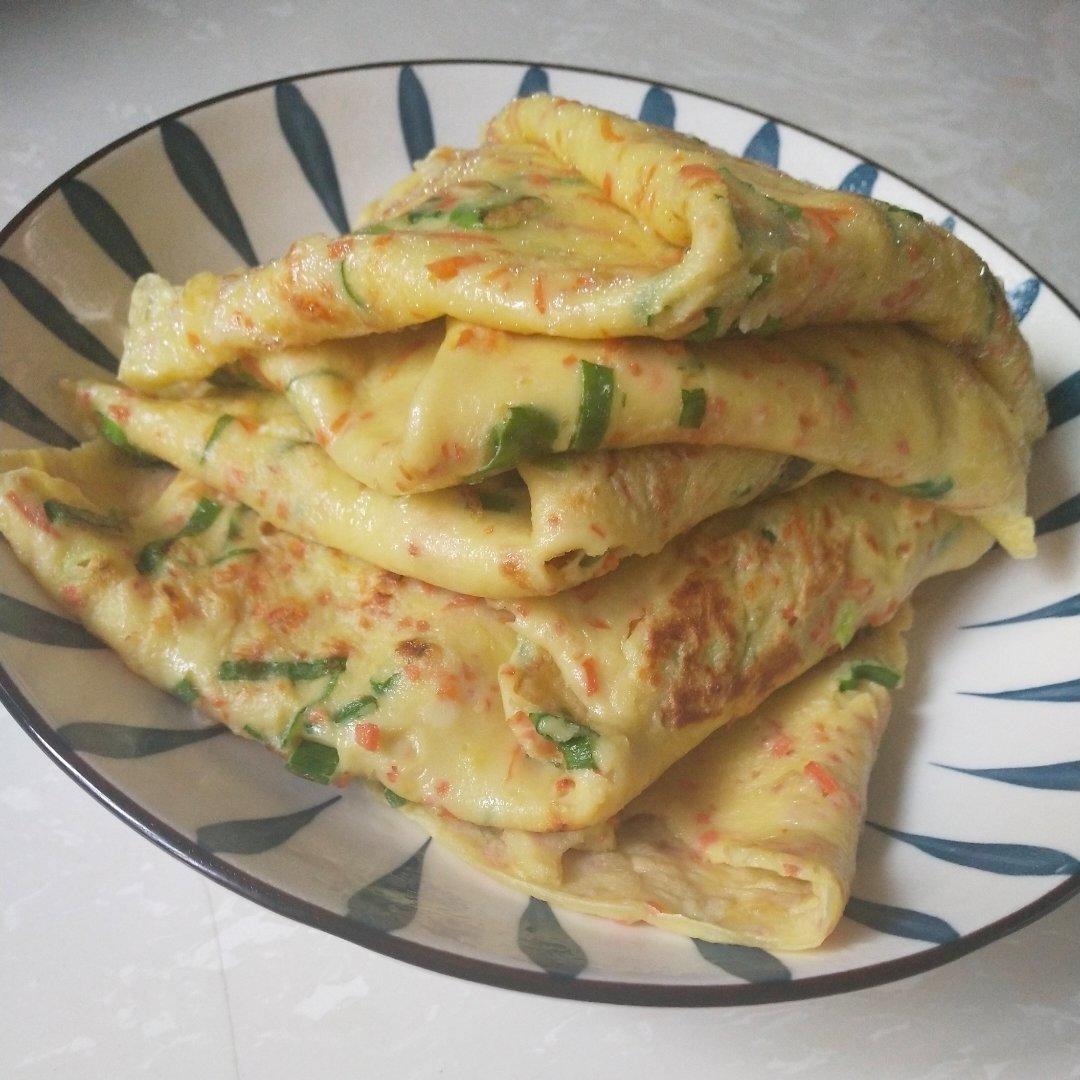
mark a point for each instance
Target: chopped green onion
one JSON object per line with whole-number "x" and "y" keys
{"x": 151, "y": 557}
{"x": 384, "y": 686}
{"x": 498, "y": 502}
{"x": 60, "y": 513}
{"x": 115, "y": 434}
{"x": 314, "y": 761}
{"x": 574, "y": 740}
{"x": 393, "y": 798}
{"x": 236, "y": 525}
{"x": 594, "y": 414}
{"x": 590, "y": 560}
{"x": 878, "y": 673}
{"x": 186, "y": 690}
{"x": 355, "y": 297}
{"x": 578, "y": 753}
{"x": 467, "y": 216}
{"x": 255, "y": 733}
{"x": 693, "y": 408}
{"x": 356, "y": 709}
{"x": 789, "y": 210}
{"x": 892, "y": 209}
{"x": 846, "y": 623}
{"x": 234, "y": 553}
{"x": 220, "y": 424}
{"x": 929, "y": 489}
{"x": 204, "y": 515}
{"x": 293, "y": 670}
{"x": 527, "y": 432}
{"x": 234, "y": 377}
{"x": 709, "y": 329}
{"x": 769, "y": 535}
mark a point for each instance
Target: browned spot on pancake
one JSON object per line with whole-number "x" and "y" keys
{"x": 413, "y": 648}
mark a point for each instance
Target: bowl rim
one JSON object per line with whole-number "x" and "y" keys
{"x": 430, "y": 957}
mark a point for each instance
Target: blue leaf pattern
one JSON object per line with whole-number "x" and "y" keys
{"x": 390, "y": 903}
{"x": 415, "y": 115}
{"x": 29, "y": 623}
{"x": 1063, "y": 609}
{"x": 252, "y": 836}
{"x": 1061, "y": 517}
{"x": 949, "y": 224}
{"x": 860, "y": 181}
{"x": 1061, "y": 776}
{"x": 1063, "y": 400}
{"x": 56, "y": 318}
{"x": 1062, "y": 691}
{"x": 543, "y": 940}
{"x": 534, "y": 81}
{"x": 306, "y": 138}
{"x": 1013, "y": 859}
{"x": 658, "y": 107}
{"x": 744, "y": 962}
{"x": 106, "y": 228}
{"x": 765, "y": 145}
{"x": 23, "y": 415}
{"x": 1022, "y": 297}
{"x": 900, "y": 922}
{"x": 202, "y": 180}
{"x": 122, "y": 741}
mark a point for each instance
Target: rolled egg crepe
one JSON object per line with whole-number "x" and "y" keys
{"x": 575, "y": 222}
{"x": 531, "y": 533}
{"x": 750, "y": 839}
{"x": 427, "y": 409}
{"x": 538, "y": 715}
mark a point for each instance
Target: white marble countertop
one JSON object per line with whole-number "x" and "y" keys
{"x": 119, "y": 961}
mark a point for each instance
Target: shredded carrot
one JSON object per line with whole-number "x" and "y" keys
{"x": 450, "y": 267}
{"x": 700, "y": 172}
{"x": 607, "y": 186}
{"x": 539, "y": 299}
{"x": 822, "y": 777}
{"x": 35, "y": 515}
{"x": 442, "y": 788}
{"x": 607, "y": 132}
{"x": 592, "y": 678}
{"x": 367, "y": 736}
{"x": 564, "y": 785}
{"x": 781, "y": 746}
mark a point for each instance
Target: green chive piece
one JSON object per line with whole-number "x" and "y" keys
{"x": 151, "y": 557}
{"x": 202, "y": 517}
{"x": 355, "y": 297}
{"x": 60, "y": 513}
{"x": 527, "y": 432}
{"x": 878, "y": 673}
{"x": 769, "y": 535}
{"x": 355, "y": 710}
{"x": 467, "y": 216}
{"x": 846, "y": 623}
{"x": 393, "y": 798}
{"x": 235, "y": 553}
{"x": 236, "y": 522}
{"x": 498, "y": 502}
{"x": 255, "y": 733}
{"x": 892, "y": 209}
{"x": 384, "y": 686}
{"x": 234, "y": 377}
{"x": 292, "y": 670}
{"x": 186, "y": 690}
{"x": 594, "y": 414}
{"x": 693, "y": 408}
{"x": 115, "y": 434}
{"x": 710, "y": 328}
{"x": 929, "y": 489}
{"x": 220, "y": 424}
{"x": 376, "y": 229}
{"x": 590, "y": 560}
{"x": 578, "y": 753}
{"x": 314, "y": 761}
{"x": 790, "y": 211}
{"x": 574, "y": 740}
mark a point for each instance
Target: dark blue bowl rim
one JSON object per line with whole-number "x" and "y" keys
{"x": 426, "y": 956}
